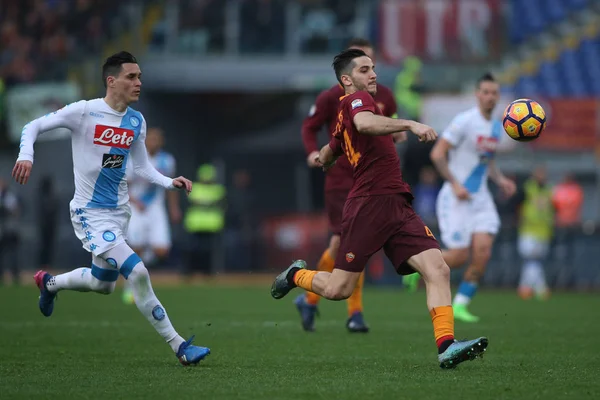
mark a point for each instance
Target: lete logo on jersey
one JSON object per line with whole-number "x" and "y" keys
{"x": 486, "y": 145}
{"x": 113, "y": 137}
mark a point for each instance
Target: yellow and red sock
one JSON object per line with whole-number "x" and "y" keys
{"x": 326, "y": 263}
{"x": 303, "y": 279}
{"x": 443, "y": 326}
{"x": 355, "y": 303}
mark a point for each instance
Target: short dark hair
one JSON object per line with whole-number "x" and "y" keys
{"x": 487, "y": 77}
{"x": 112, "y": 65}
{"x": 344, "y": 62}
{"x": 359, "y": 42}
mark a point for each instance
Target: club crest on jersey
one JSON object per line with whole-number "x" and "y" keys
{"x": 356, "y": 103}
{"x": 109, "y": 236}
{"x": 113, "y": 137}
{"x": 350, "y": 257}
{"x": 134, "y": 121}
{"x": 381, "y": 106}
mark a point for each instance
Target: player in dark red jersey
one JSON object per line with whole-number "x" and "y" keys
{"x": 378, "y": 213}
{"x": 338, "y": 183}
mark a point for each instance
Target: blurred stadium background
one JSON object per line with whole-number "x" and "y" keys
{"x": 230, "y": 82}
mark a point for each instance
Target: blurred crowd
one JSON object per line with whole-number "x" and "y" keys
{"x": 37, "y": 37}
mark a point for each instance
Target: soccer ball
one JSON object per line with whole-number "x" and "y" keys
{"x": 524, "y": 120}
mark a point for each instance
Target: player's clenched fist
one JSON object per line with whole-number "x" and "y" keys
{"x": 313, "y": 160}
{"x": 183, "y": 183}
{"x": 424, "y": 132}
{"x": 21, "y": 171}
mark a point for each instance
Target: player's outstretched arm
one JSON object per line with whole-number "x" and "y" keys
{"x": 144, "y": 168}
{"x": 368, "y": 123}
{"x": 68, "y": 117}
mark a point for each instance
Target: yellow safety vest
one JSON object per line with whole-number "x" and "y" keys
{"x": 408, "y": 100}
{"x": 537, "y": 212}
{"x": 205, "y": 214}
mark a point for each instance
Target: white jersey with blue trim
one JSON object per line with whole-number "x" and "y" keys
{"x": 474, "y": 141}
{"x": 102, "y": 141}
{"x": 148, "y": 194}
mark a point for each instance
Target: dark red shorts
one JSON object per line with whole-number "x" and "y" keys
{"x": 334, "y": 204}
{"x": 387, "y": 221}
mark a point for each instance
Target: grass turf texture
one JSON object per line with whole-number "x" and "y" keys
{"x": 96, "y": 347}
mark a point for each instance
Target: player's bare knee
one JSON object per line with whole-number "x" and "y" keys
{"x": 161, "y": 253}
{"x": 456, "y": 258}
{"x": 439, "y": 271}
{"x": 436, "y": 271}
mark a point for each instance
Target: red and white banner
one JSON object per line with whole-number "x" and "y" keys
{"x": 440, "y": 30}
{"x": 572, "y": 125}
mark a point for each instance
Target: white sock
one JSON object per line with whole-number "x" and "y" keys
{"x": 539, "y": 283}
{"x": 464, "y": 295}
{"x": 461, "y": 300}
{"x": 528, "y": 274}
{"x": 149, "y": 257}
{"x": 127, "y": 286}
{"x": 80, "y": 280}
{"x": 150, "y": 307}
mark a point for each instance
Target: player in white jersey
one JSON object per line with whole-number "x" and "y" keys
{"x": 149, "y": 232}
{"x": 466, "y": 212}
{"x": 105, "y": 133}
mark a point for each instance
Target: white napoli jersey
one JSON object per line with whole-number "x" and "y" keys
{"x": 102, "y": 141}
{"x": 148, "y": 194}
{"x": 474, "y": 141}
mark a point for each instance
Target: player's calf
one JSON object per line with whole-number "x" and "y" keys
{"x": 337, "y": 291}
{"x": 340, "y": 284}
{"x": 102, "y": 287}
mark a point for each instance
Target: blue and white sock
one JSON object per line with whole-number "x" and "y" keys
{"x": 465, "y": 293}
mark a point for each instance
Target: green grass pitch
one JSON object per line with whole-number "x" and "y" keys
{"x": 95, "y": 347}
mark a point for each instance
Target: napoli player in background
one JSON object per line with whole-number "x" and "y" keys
{"x": 466, "y": 212}
{"x": 105, "y": 132}
{"x": 338, "y": 183}
{"x": 378, "y": 213}
{"x": 149, "y": 232}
